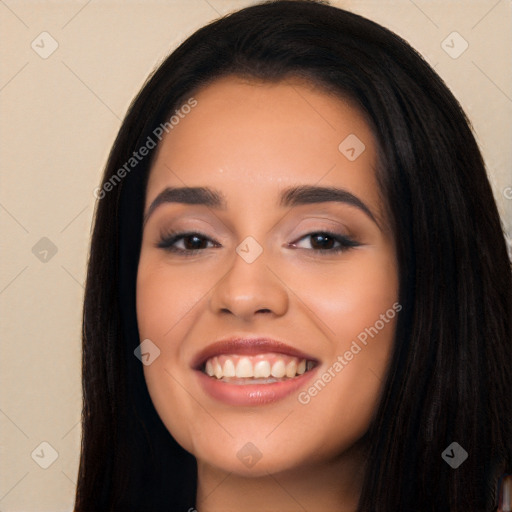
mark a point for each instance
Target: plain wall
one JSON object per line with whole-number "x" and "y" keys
{"x": 59, "y": 117}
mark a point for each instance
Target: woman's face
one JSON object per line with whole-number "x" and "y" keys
{"x": 261, "y": 269}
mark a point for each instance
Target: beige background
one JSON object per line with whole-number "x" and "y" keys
{"x": 59, "y": 117}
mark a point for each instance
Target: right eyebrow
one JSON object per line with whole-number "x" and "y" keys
{"x": 188, "y": 195}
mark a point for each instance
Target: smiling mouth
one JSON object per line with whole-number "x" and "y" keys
{"x": 264, "y": 368}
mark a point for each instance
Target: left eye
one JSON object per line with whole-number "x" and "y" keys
{"x": 324, "y": 241}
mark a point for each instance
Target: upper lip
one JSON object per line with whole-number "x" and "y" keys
{"x": 247, "y": 346}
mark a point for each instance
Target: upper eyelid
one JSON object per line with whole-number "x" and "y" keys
{"x": 334, "y": 226}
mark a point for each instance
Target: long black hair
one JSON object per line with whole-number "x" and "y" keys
{"x": 449, "y": 378}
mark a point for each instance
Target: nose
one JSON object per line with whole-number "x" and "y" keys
{"x": 248, "y": 289}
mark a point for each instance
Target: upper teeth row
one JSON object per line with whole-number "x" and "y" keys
{"x": 262, "y": 368}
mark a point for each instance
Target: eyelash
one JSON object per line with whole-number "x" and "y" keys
{"x": 169, "y": 238}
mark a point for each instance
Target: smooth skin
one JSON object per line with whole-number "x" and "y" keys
{"x": 249, "y": 140}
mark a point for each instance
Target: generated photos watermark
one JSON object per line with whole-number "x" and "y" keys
{"x": 144, "y": 150}
{"x": 304, "y": 397}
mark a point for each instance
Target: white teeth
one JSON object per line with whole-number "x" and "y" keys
{"x": 209, "y": 368}
{"x": 229, "y": 368}
{"x": 217, "y": 369}
{"x": 291, "y": 369}
{"x": 262, "y": 369}
{"x": 278, "y": 369}
{"x": 244, "y": 368}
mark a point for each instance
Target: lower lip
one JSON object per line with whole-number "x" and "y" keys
{"x": 252, "y": 394}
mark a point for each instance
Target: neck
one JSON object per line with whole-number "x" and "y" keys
{"x": 333, "y": 485}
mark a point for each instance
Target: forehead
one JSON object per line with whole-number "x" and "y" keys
{"x": 251, "y": 138}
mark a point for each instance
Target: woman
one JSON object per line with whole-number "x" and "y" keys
{"x": 298, "y": 293}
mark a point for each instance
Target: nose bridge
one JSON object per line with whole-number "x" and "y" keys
{"x": 249, "y": 286}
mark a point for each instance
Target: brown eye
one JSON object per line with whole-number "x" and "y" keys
{"x": 321, "y": 241}
{"x": 324, "y": 242}
{"x": 191, "y": 242}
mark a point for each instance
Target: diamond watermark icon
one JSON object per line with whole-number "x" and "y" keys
{"x": 454, "y": 455}
{"x": 44, "y": 45}
{"x": 147, "y": 352}
{"x": 351, "y": 147}
{"x": 454, "y": 45}
{"x": 249, "y": 249}
{"x": 44, "y": 455}
{"x": 249, "y": 455}
{"x": 44, "y": 250}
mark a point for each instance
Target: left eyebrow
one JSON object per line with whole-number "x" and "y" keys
{"x": 289, "y": 197}
{"x": 307, "y": 194}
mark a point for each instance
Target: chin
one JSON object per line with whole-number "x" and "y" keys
{"x": 251, "y": 460}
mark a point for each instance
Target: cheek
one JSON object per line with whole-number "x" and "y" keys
{"x": 358, "y": 310}
{"x": 167, "y": 300}
{"x": 165, "y": 296}
{"x": 350, "y": 298}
